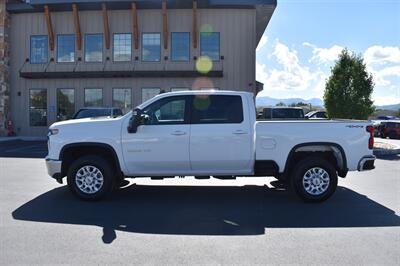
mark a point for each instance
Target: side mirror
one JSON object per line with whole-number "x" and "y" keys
{"x": 135, "y": 121}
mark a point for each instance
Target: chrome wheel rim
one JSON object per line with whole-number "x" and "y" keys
{"x": 89, "y": 179}
{"x": 316, "y": 181}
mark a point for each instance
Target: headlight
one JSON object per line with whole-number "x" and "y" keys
{"x": 53, "y": 131}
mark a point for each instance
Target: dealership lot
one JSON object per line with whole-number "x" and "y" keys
{"x": 23, "y": 149}
{"x": 182, "y": 221}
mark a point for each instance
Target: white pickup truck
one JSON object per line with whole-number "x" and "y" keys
{"x": 204, "y": 134}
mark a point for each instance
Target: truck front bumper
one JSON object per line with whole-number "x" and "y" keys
{"x": 54, "y": 168}
{"x": 366, "y": 163}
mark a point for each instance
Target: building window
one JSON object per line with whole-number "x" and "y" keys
{"x": 94, "y": 48}
{"x": 209, "y": 45}
{"x": 122, "y": 47}
{"x": 122, "y": 98}
{"x": 148, "y": 93}
{"x": 93, "y": 97}
{"x": 65, "y": 48}
{"x": 39, "y": 49}
{"x": 151, "y": 47}
{"x": 38, "y": 107}
{"x": 180, "y": 89}
{"x": 180, "y": 46}
{"x": 65, "y": 104}
{"x": 217, "y": 109}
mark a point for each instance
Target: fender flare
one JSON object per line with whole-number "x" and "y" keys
{"x": 337, "y": 149}
{"x": 93, "y": 144}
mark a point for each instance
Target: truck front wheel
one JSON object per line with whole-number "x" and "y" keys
{"x": 90, "y": 178}
{"x": 314, "y": 179}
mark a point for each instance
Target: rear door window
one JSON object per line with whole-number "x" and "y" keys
{"x": 217, "y": 109}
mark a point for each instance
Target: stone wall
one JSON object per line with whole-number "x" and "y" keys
{"x": 4, "y": 68}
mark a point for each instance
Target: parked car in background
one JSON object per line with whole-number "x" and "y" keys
{"x": 390, "y": 129}
{"x": 387, "y": 117}
{"x": 316, "y": 115}
{"x": 276, "y": 113}
{"x": 97, "y": 112}
{"x": 377, "y": 127}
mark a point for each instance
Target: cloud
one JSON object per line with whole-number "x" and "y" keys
{"x": 381, "y": 55}
{"x": 386, "y": 100}
{"x": 285, "y": 75}
{"x": 383, "y": 63}
{"x": 261, "y": 72}
{"x": 319, "y": 87}
{"x": 324, "y": 55}
{"x": 288, "y": 59}
{"x": 291, "y": 76}
{"x": 262, "y": 43}
{"x": 381, "y": 76}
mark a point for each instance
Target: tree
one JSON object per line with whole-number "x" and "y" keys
{"x": 349, "y": 88}
{"x": 299, "y": 104}
{"x": 280, "y": 104}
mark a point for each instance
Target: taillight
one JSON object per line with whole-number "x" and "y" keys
{"x": 370, "y": 129}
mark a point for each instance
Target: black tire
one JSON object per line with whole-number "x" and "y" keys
{"x": 95, "y": 162}
{"x": 299, "y": 173}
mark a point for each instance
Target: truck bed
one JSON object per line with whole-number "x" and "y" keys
{"x": 276, "y": 139}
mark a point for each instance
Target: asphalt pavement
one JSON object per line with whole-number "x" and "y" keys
{"x": 196, "y": 222}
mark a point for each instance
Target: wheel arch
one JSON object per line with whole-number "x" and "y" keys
{"x": 311, "y": 148}
{"x": 71, "y": 151}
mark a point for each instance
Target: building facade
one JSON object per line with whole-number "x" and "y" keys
{"x": 65, "y": 55}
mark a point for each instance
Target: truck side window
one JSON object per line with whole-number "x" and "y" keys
{"x": 166, "y": 111}
{"x": 217, "y": 109}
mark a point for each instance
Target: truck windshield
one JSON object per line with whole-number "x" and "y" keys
{"x": 86, "y": 113}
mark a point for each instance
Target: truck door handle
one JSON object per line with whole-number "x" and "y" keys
{"x": 178, "y": 133}
{"x": 239, "y": 132}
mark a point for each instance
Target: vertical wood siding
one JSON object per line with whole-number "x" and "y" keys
{"x": 237, "y": 29}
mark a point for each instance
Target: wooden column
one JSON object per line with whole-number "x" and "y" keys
{"x": 165, "y": 24}
{"x": 49, "y": 27}
{"x": 77, "y": 26}
{"x": 194, "y": 24}
{"x": 135, "y": 25}
{"x": 106, "y": 26}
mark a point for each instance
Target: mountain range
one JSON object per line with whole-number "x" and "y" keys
{"x": 268, "y": 101}
{"x": 316, "y": 102}
{"x": 392, "y": 107}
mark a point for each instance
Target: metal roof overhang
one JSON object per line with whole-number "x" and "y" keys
{"x": 264, "y": 8}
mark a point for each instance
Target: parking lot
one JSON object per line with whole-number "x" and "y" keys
{"x": 23, "y": 149}
{"x": 187, "y": 221}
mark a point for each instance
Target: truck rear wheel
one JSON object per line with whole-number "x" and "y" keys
{"x": 314, "y": 179}
{"x": 90, "y": 178}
